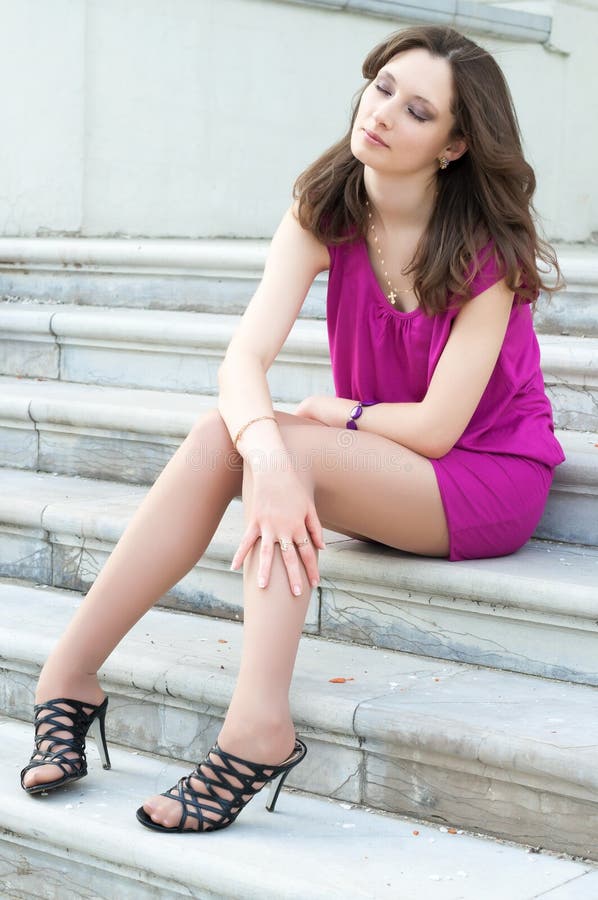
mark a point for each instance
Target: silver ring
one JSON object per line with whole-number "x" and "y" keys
{"x": 303, "y": 543}
{"x": 284, "y": 544}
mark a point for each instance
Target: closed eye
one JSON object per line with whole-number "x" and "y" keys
{"x": 411, "y": 111}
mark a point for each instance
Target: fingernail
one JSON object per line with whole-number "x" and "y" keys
{"x": 262, "y": 582}
{"x": 297, "y": 590}
{"x": 232, "y": 567}
{"x": 315, "y": 583}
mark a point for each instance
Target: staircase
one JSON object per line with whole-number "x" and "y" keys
{"x": 108, "y": 354}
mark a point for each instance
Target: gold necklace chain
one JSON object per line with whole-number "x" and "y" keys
{"x": 392, "y": 294}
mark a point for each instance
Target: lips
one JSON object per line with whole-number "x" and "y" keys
{"x": 375, "y": 137}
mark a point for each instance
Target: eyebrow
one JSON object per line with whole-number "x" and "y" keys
{"x": 389, "y": 74}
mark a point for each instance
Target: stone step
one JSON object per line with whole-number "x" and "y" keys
{"x": 129, "y": 435}
{"x": 83, "y": 841}
{"x": 219, "y": 276}
{"x": 506, "y": 755}
{"x": 182, "y": 351}
{"x": 570, "y": 369}
{"x": 533, "y": 611}
{"x": 121, "y": 434}
{"x": 178, "y": 351}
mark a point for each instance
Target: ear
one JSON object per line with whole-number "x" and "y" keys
{"x": 455, "y": 150}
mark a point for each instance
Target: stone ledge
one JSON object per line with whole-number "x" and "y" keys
{"x": 182, "y": 351}
{"x": 218, "y": 276}
{"x": 465, "y": 15}
{"x": 448, "y": 729}
{"x": 351, "y": 853}
{"x": 243, "y": 257}
{"x": 533, "y": 611}
{"x": 127, "y": 435}
{"x": 153, "y": 349}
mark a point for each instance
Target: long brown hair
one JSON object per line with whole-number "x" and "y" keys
{"x": 484, "y": 194}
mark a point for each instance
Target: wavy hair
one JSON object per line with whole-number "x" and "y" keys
{"x": 484, "y": 194}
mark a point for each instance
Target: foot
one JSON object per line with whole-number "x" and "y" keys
{"x": 87, "y": 690}
{"x": 259, "y": 745}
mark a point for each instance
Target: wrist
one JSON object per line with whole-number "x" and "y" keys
{"x": 356, "y": 412}
{"x": 268, "y": 460}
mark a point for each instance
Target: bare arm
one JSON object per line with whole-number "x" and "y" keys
{"x": 433, "y": 426}
{"x": 294, "y": 259}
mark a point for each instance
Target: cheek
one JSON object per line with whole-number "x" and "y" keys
{"x": 365, "y": 105}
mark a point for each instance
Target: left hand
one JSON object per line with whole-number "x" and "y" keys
{"x": 327, "y": 410}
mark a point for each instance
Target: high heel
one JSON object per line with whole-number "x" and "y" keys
{"x": 47, "y": 714}
{"x": 229, "y": 809}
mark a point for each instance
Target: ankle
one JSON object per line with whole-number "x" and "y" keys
{"x": 260, "y": 739}
{"x": 74, "y": 685}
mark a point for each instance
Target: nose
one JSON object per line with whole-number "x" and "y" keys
{"x": 381, "y": 115}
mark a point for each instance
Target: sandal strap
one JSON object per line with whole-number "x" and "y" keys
{"x": 197, "y": 800}
{"x": 47, "y": 714}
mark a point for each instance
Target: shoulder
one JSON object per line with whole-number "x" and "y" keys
{"x": 341, "y": 247}
{"x": 306, "y": 241}
{"x": 488, "y": 268}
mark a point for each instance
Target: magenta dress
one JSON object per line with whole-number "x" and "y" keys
{"x": 494, "y": 482}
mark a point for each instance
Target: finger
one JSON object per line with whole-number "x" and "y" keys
{"x": 310, "y": 561}
{"x": 315, "y": 528}
{"x": 291, "y": 561}
{"x": 247, "y": 541}
{"x": 265, "y": 561}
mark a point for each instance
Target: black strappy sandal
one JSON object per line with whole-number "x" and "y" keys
{"x": 195, "y": 803}
{"x": 47, "y": 714}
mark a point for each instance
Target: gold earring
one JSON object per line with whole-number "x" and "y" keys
{"x": 444, "y": 162}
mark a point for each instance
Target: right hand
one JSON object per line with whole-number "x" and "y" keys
{"x": 282, "y": 508}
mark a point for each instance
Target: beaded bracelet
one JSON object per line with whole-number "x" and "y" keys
{"x": 247, "y": 424}
{"x": 357, "y": 411}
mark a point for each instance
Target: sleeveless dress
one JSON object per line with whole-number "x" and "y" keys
{"x": 495, "y": 480}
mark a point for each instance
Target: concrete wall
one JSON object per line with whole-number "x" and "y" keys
{"x": 192, "y": 118}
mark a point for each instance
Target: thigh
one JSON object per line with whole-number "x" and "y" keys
{"x": 367, "y": 486}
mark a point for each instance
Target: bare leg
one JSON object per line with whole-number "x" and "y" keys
{"x": 168, "y": 533}
{"x": 377, "y": 490}
{"x": 258, "y": 723}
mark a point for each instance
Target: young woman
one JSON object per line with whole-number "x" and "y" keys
{"x": 440, "y": 440}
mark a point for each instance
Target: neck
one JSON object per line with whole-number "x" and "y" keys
{"x": 402, "y": 203}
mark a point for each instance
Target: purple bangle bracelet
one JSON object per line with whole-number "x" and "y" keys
{"x": 357, "y": 411}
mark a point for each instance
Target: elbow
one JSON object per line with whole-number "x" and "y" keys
{"x": 436, "y": 438}
{"x": 436, "y": 443}
{"x": 440, "y": 446}
{"x": 436, "y": 451}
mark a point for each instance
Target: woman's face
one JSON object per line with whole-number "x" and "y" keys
{"x": 407, "y": 107}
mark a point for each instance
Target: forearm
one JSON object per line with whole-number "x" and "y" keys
{"x": 405, "y": 423}
{"x": 244, "y": 394}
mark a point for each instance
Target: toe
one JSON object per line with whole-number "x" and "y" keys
{"x": 39, "y": 775}
{"x": 158, "y": 812}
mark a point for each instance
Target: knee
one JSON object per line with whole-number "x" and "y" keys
{"x": 209, "y": 435}
{"x": 210, "y": 426}
{"x": 208, "y": 444}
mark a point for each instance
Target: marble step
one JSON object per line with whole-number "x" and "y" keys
{"x": 179, "y": 351}
{"x": 221, "y": 276}
{"x": 84, "y": 841}
{"x": 182, "y": 351}
{"x": 533, "y": 611}
{"x": 128, "y": 435}
{"x": 507, "y": 755}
